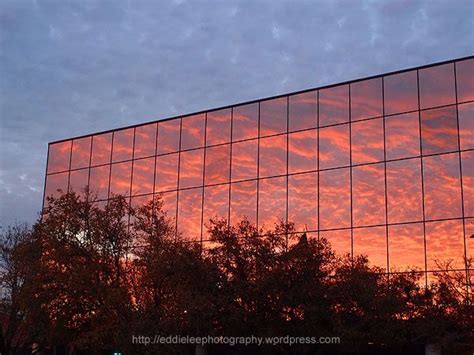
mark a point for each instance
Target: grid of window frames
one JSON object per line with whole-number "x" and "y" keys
{"x": 382, "y": 167}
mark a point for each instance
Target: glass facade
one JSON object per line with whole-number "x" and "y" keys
{"x": 381, "y": 166}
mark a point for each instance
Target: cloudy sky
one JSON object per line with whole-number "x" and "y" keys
{"x": 69, "y": 68}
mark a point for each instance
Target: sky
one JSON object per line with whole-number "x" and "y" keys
{"x": 69, "y": 68}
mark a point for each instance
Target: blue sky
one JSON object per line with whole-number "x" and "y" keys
{"x": 69, "y": 68}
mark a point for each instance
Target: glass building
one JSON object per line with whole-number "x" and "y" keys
{"x": 382, "y": 166}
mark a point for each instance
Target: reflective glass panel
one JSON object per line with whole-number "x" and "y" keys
{"x": 406, "y": 247}
{"x": 99, "y": 181}
{"x": 273, "y": 116}
{"x": 59, "y": 156}
{"x": 143, "y": 176}
{"x": 340, "y": 240}
{"x": 272, "y": 201}
{"x": 334, "y": 199}
{"x": 101, "y": 149}
{"x": 373, "y": 243}
{"x": 442, "y": 186}
{"x": 367, "y": 141}
{"x": 189, "y": 214}
{"x": 272, "y": 156}
{"x": 303, "y": 201}
{"x": 218, "y": 127}
{"x": 244, "y": 160}
{"x": 303, "y": 111}
{"x": 466, "y": 125}
{"x": 169, "y": 204}
{"x": 166, "y": 177}
{"x": 334, "y": 147}
{"x": 81, "y": 153}
{"x": 192, "y": 131}
{"x": 168, "y": 136}
{"x": 245, "y": 122}
{"x": 216, "y": 205}
{"x": 191, "y": 168}
{"x": 122, "y": 148}
{"x": 303, "y": 154}
{"x": 56, "y": 185}
{"x": 79, "y": 180}
{"x": 217, "y": 164}
{"x": 404, "y": 195}
{"x": 464, "y": 80}
{"x": 243, "y": 203}
{"x": 437, "y": 86}
{"x": 368, "y": 195}
{"x": 444, "y": 242}
{"x": 145, "y": 140}
{"x": 120, "y": 179}
{"x": 334, "y": 105}
{"x": 469, "y": 237}
{"x": 401, "y": 92}
{"x": 402, "y": 135}
{"x": 366, "y": 99}
{"x": 439, "y": 130}
{"x": 467, "y": 159}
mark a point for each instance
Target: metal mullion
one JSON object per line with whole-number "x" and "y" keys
{"x": 350, "y": 172}
{"x": 179, "y": 169}
{"x": 287, "y": 159}
{"x": 131, "y": 177}
{"x": 258, "y": 168}
{"x": 230, "y": 163}
{"x": 154, "y": 174}
{"x": 385, "y": 176}
{"x": 317, "y": 163}
{"x": 69, "y": 167}
{"x": 422, "y": 177}
{"x": 110, "y": 165}
{"x": 203, "y": 178}
{"x": 461, "y": 174}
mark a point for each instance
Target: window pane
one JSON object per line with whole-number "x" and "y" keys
{"x": 367, "y": 141}
{"x": 168, "y": 136}
{"x": 368, "y": 189}
{"x": 143, "y": 176}
{"x": 444, "y": 242}
{"x": 101, "y": 149}
{"x": 437, "y": 86}
{"x": 121, "y": 179}
{"x": 123, "y": 145}
{"x": 340, "y": 241}
{"x": 406, "y": 247}
{"x": 243, "y": 202}
{"x": 272, "y": 201}
{"x": 169, "y": 204}
{"x": 245, "y": 122}
{"x": 404, "y": 197}
{"x": 303, "y": 154}
{"x": 334, "y": 147}
{"x": 189, "y": 214}
{"x": 99, "y": 181}
{"x": 191, "y": 168}
{"x": 334, "y": 199}
{"x": 464, "y": 80}
{"x": 466, "y": 125}
{"x": 81, "y": 153}
{"x": 216, "y": 205}
{"x": 166, "y": 172}
{"x": 273, "y": 116}
{"x": 303, "y": 111}
{"x": 244, "y": 160}
{"x": 303, "y": 201}
{"x": 401, "y": 92}
{"x": 78, "y": 181}
{"x": 439, "y": 131}
{"x": 467, "y": 159}
{"x": 59, "y": 156}
{"x": 373, "y": 243}
{"x": 442, "y": 186}
{"x": 56, "y": 185}
{"x": 469, "y": 237}
{"x": 366, "y": 99}
{"x": 192, "y": 131}
{"x": 218, "y": 127}
{"x": 402, "y": 134}
{"x": 217, "y": 164}
{"x": 272, "y": 156}
{"x": 145, "y": 141}
{"x": 334, "y": 105}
